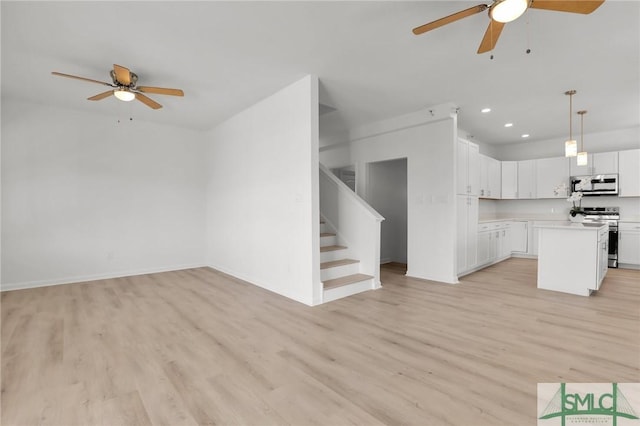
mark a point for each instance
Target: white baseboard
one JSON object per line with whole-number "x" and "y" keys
{"x": 252, "y": 281}
{"x": 628, "y": 266}
{"x": 95, "y": 277}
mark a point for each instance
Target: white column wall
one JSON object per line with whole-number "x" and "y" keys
{"x": 263, "y": 215}
{"x": 428, "y": 140}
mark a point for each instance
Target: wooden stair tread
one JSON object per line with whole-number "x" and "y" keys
{"x": 340, "y": 262}
{"x": 331, "y": 248}
{"x": 327, "y": 234}
{"x": 346, "y": 280}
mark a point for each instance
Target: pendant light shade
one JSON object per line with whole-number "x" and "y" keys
{"x": 583, "y": 157}
{"x": 570, "y": 146}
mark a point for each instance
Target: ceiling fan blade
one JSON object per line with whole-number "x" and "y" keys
{"x": 583, "y": 6}
{"x": 148, "y": 101}
{"x": 160, "y": 90}
{"x": 81, "y": 78}
{"x": 101, "y": 95}
{"x": 123, "y": 75}
{"x": 449, "y": 19}
{"x": 491, "y": 36}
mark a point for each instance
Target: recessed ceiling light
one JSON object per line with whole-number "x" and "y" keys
{"x": 526, "y": 135}
{"x": 485, "y": 110}
{"x": 508, "y": 125}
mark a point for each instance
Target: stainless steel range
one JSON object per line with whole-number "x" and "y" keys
{"x": 610, "y": 215}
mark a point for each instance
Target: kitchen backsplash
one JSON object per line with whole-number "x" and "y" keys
{"x": 556, "y": 208}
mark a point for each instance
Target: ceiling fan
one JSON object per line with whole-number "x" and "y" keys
{"x": 503, "y": 11}
{"x": 125, "y": 87}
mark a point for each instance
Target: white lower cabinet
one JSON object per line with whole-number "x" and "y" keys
{"x": 504, "y": 241}
{"x": 467, "y": 232}
{"x": 520, "y": 236}
{"x": 629, "y": 243}
{"x": 494, "y": 242}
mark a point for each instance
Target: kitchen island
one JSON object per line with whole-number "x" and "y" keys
{"x": 572, "y": 257}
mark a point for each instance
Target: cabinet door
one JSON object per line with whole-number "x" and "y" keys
{"x": 519, "y": 236}
{"x": 474, "y": 169}
{"x": 629, "y": 169}
{"x": 605, "y": 163}
{"x": 526, "y": 179}
{"x": 505, "y": 243}
{"x": 467, "y": 232}
{"x": 494, "y": 179}
{"x": 472, "y": 232}
{"x": 629, "y": 247}
{"x": 484, "y": 177}
{"x": 462, "y": 160}
{"x": 597, "y": 164}
{"x": 509, "y": 178}
{"x": 485, "y": 241}
{"x": 551, "y": 173}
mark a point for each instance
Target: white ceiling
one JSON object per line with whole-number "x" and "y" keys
{"x": 228, "y": 55}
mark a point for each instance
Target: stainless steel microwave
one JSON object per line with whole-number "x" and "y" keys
{"x": 595, "y": 184}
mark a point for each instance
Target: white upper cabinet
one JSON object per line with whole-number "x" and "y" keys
{"x": 597, "y": 164}
{"x": 494, "y": 179}
{"x": 527, "y": 179}
{"x": 551, "y": 173}
{"x": 490, "y": 177}
{"x": 509, "y": 178}
{"x": 629, "y": 169}
{"x": 468, "y": 168}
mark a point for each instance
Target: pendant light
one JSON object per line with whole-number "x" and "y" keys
{"x": 582, "y": 159}
{"x": 570, "y": 146}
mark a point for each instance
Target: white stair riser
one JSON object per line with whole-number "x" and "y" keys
{"x": 339, "y": 271}
{"x": 324, "y": 227}
{"x": 347, "y": 290}
{"x": 328, "y": 256}
{"x": 328, "y": 241}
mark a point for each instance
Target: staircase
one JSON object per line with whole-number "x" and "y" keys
{"x": 339, "y": 272}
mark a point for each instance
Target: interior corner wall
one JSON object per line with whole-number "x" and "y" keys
{"x": 85, "y": 197}
{"x": 263, "y": 216}
{"x": 431, "y": 207}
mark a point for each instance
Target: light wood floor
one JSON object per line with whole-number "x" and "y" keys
{"x": 199, "y": 347}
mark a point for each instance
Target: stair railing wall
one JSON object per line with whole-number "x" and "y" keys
{"x": 357, "y": 224}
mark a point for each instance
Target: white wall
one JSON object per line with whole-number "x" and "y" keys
{"x": 428, "y": 142}
{"x": 85, "y": 197}
{"x": 387, "y": 193}
{"x": 615, "y": 140}
{"x": 263, "y": 215}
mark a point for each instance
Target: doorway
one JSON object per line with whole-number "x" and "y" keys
{"x": 387, "y": 194}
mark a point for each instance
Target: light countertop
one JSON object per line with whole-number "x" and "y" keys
{"x": 575, "y": 226}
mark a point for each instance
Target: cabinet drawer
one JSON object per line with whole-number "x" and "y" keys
{"x": 629, "y": 226}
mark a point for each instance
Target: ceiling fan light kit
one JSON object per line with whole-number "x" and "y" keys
{"x": 508, "y": 10}
{"x": 125, "y": 87}
{"x": 503, "y": 11}
{"x": 124, "y": 95}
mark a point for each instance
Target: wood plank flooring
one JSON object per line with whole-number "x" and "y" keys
{"x": 200, "y": 347}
